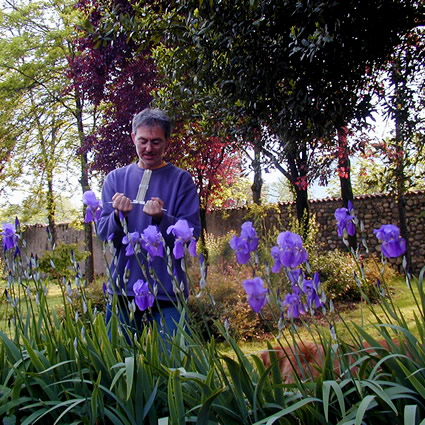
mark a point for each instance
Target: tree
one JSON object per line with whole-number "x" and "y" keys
{"x": 48, "y": 117}
{"x": 299, "y": 69}
{"x": 405, "y": 151}
{"x": 212, "y": 161}
{"x": 31, "y": 66}
{"x": 122, "y": 77}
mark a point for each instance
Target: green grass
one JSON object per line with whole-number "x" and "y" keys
{"x": 359, "y": 313}
{"x": 54, "y": 297}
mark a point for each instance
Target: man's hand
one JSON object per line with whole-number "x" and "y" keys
{"x": 154, "y": 208}
{"x": 120, "y": 202}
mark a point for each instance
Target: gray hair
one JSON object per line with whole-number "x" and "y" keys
{"x": 151, "y": 118}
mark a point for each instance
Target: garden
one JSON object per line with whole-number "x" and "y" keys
{"x": 61, "y": 364}
{"x": 280, "y": 327}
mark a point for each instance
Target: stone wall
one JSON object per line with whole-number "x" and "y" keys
{"x": 37, "y": 242}
{"x": 372, "y": 210}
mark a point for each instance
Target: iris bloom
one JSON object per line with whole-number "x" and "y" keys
{"x": 142, "y": 295}
{"x": 311, "y": 288}
{"x": 131, "y": 240}
{"x": 93, "y": 209}
{"x": 289, "y": 252}
{"x": 246, "y": 243}
{"x": 296, "y": 276}
{"x": 151, "y": 240}
{"x": 294, "y": 306}
{"x": 257, "y": 293}
{"x": 9, "y": 237}
{"x": 393, "y": 245}
{"x": 184, "y": 236}
{"x": 345, "y": 220}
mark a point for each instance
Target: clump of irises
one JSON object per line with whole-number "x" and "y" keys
{"x": 289, "y": 254}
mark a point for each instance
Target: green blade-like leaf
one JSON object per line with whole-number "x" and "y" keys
{"x": 288, "y": 410}
{"x": 363, "y": 407}
{"x": 13, "y": 349}
{"x": 327, "y": 385}
{"x": 129, "y": 369}
{"x": 175, "y": 399}
{"x": 410, "y": 412}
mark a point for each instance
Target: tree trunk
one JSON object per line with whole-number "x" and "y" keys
{"x": 203, "y": 216}
{"x": 84, "y": 181}
{"x": 302, "y": 210}
{"x": 298, "y": 168}
{"x": 258, "y": 180}
{"x": 400, "y": 136}
{"x": 51, "y": 209}
{"x": 344, "y": 171}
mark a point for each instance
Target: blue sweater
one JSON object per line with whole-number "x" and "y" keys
{"x": 176, "y": 188}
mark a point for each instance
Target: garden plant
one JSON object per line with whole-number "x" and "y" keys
{"x": 69, "y": 367}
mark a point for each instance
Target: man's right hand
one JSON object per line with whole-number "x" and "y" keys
{"x": 120, "y": 202}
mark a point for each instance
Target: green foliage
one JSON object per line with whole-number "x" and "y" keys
{"x": 38, "y": 111}
{"x": 235, "y": 194}
{"x": 72, "y": 368}
{"x": 219, "y": 251}
{"x": 58, "y": 263}
{"x": 225, "y": 302}
{"x": 337, "y": 271}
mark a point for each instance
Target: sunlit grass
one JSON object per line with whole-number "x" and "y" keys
{"x": 54, "y": 298}
{"x": 359, "y": 313}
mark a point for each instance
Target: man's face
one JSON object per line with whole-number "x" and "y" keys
{"x": 150, "y": 145}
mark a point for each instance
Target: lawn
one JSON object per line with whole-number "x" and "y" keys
{"x": 348, "y": 313}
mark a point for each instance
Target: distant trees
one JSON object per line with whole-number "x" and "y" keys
{"x": 34, "y": 109}
{"x": 46, "y": 117}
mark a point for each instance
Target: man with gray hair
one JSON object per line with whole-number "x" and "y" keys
{"x": 148, "y": 193}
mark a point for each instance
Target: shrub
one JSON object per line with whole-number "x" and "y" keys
{"x": 336, "y": 270}
{"x": 59, "y": 263}
{"x": 224, "y": 301}
{"x": 219, "y": 251}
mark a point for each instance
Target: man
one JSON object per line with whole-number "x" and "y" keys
{"x": 149, "y": 192}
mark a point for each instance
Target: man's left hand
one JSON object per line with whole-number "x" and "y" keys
{"x": 153, "y": 207}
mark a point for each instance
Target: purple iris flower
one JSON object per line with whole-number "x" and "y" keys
{"x": 289, "y": 252}
{"x": 93, "y": 209}
{"x": 294, "y": 306}
{"x": 345, "y": 220}
{"x": 250, "y": 235}
{"x": 151, "y": 240}
{"x": 241, "y": 248}
{"x": 296, "y": 276}
{"x": 131, "y": 240}
{"x": 142, "y": 295}
{"x": 184, "y": 235}
{"x": 393, "y": 245}
{"x": 9, "y": 237}
{"x": 246, "y": 243}
{"x": 257, "y": 293}
{"x": 311, "y": 289}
